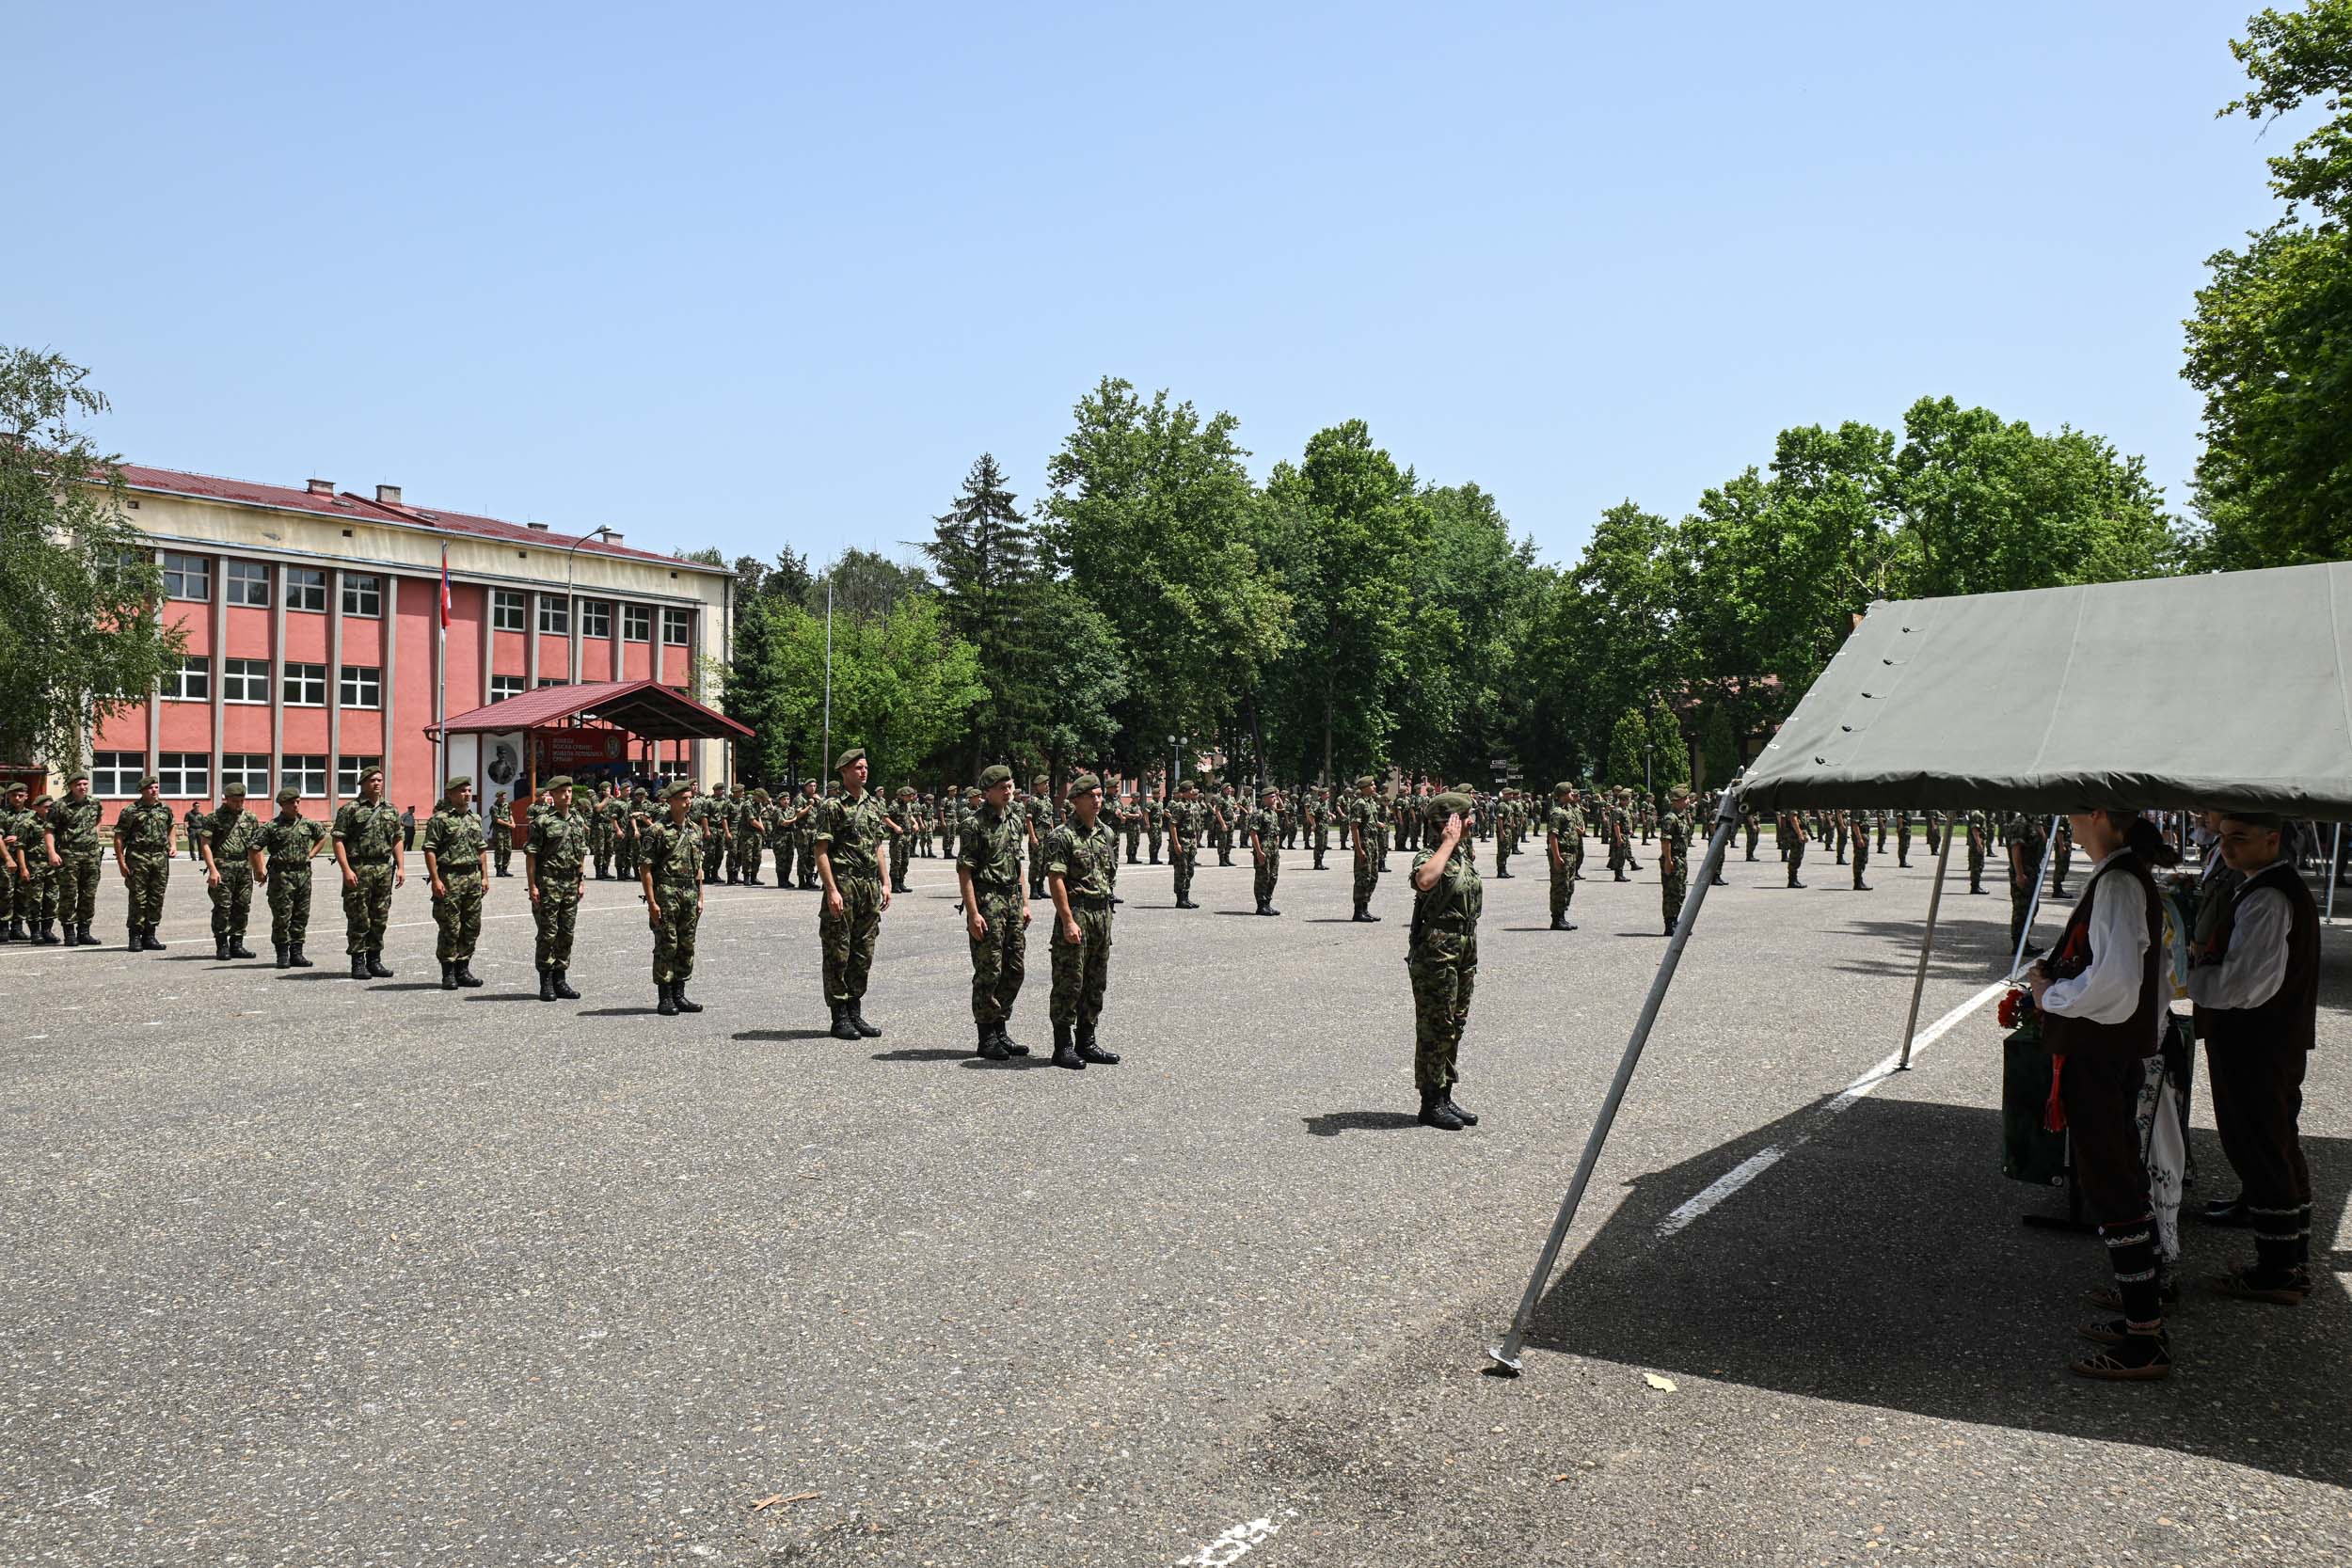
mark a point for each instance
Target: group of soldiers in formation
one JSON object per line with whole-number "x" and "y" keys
{"x": 852, "y": 846}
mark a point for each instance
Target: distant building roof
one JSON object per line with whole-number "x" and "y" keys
{"x": 647, "y": 708}
{"x": 321, "y": 499}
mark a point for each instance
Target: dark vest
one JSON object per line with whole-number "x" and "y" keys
{"x": 2290, "y": 1017}
{"x": 2136, "y": 1037}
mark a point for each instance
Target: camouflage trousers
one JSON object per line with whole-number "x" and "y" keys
{"x": 1752, "y": 829}
{"x": 367, "y": 905}
{"x": 502, "y": 851}
{"x": 2020, "y": 909}
{"x": 714, "y": 856}
{"x": 233, "y": 901}
{"x": 600, "y": 839}
{"x": 1562, "y": 887}
{"x": 1000, "y": 958}
{"x": 1367, "y": 876}
{"x": 457, "y": 916}
{"x": 1672, "y": 888}
{"x": 37, "y": 894}
{"x": 556, "y": 914}
{"x": 1082, "y": 970}
{"x": 1152, "y": 843}
{"x": 1264, "y": 874}
{"x": 1504, "y": 850}
{"x": 1135, "y": 837}
{"x": 1322, "y": 837}
{"x": 145, "y": 873}
{"x": 1976, "y": 869}
{"x": 746, "y": 855}
{"x": 847, "y": 938}
{"x": 1179, "y": 863}
{"x": 77, "y": 889}
{"x": 1794, "y": 855}
{"x": 673, "y": 933}
{"x": 625, "y": 856}
{"x": 289, "y": 906}
{"x": 1861, "y": 858}
{"x": 1444, "y": 969}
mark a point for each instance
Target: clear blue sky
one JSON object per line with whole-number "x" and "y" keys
{"x": 755, "y": 275}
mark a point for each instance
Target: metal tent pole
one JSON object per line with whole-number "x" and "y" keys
{"x": 2025, "y": 934}
{"x": 1927, "y": 945}
{"x": 1507, "y": 1355}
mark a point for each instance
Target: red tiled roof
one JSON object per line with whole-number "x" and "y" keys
{"x": 647, "y": 708}
{"x": 347, "y": 506}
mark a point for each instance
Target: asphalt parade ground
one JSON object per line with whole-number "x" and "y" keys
{"x": 301, "y": 1270}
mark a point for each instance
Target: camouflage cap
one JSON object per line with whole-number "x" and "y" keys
{"x": 457, "y": 782}
{"x": 675, "y": 788}
{"x": 1451, "y": 801}
{"x": 995, "y": 774}
{"x": 1085, "y": 784}
{"x": 288, "y": 796}
{"x": 854, "y": 754}
{"x": 233, "y": 790}
{"x": 906, "y": 792}
{"x": 560, "y": 783}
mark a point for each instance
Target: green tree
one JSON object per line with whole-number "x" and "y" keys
{"x": 80, "y": 639}
{"x": 1670, "y": 751}
{"x": 865, "y": 584}
{"x": 1076, "y": 681}
{"x": 903, "y": 685}
{"x": 986, "y": 564}
{"x": 1628, "y": 739}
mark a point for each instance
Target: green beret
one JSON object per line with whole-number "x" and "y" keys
{"x": 854, "y": 754}
{"x": 151, "y": 782}
{"x": 73, "y": 778}
{"x": 1085, "y": 784}
{"x": 16, "y": 786}
{"x": 367, "y": 773}
{"x": 456, "y": 781}
{"x": 288, "y": 796}
{"x": 1367, "y": 782}
{"x": 1451, "y": 801}
{"x": 233, "y": 790}
{"x": 760, "y": 795}
{"x": 995, "y": 774}
{"x": 1268, "y": 793}
{"x": 1563, "y": 787}
{"x": 676, "y": 787}
{"x": 561, "y": 781}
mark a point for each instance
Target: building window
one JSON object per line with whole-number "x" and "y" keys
{"x": 674, "y": 627}
{"x": 636, "y": 623}
{"x": 364, "y": 685}
{"x": 504, "y": 686}
{"x": 306, "y": 686}
{"x": 551, "y": 680}
{"x": 554, "y": 618}
{"x": 506, "y": 610}
{"x": 306, "y": 774}
{"x": 244, "y": 680}
{"x": 305, "y": 589}
{"x": 186, "y": 775}
{"x": 187, "y": 577}
{"x": 249, "y": 769}
{"x": 596, "y": 618}
{"x": 192, "y": 682}
{"x": 347, "y": 772}
{"x": 363, "y": 596}
{"x": 114, "y": 775}
{"x": 248, "y": 585}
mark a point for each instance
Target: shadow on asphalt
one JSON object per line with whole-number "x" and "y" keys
{"x": 1332, "y": 1123}
{"x": 785, "y": 1035}
{"x": 1883, "y": 1265}
{"x": 919, "y": 1054}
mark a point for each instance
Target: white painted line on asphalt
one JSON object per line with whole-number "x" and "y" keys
{"x": 1235, "y": 1544}
{"x": 1765, "y": 1158}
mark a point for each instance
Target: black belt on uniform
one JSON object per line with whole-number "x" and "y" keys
{"x": 1091, "y": 900}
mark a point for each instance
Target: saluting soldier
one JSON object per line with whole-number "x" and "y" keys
{"x": 995, "y": 915}
{"x": 501, "y": 833}
{"x": 1442, "y": 959}
{"x": 228, "y": 836}
{"x": 1079, "y": 855}
{"x": 76, "y": 853}
{"x": 143, "y": 855}
{"x": 554, "y": 857}
{"x": 670, "y": 868}
{"x": 1266, "y": 850}
{"x": 456, "y": 859}
{"x": 280, "y": 861}
{"x": 1363, "y": 838}
{"x": 852, "y": 846}
{"x": 367, "y": 835}
{"x": 1564, "y": 846}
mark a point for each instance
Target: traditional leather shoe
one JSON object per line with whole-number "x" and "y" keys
{"x": 1065, "y": 1054}
{"x": 842, "y": 1028}
{"x": 685, "y": 1003}
{"x": 1434, "y": 1112}
{"x": 564, "y": 985}
{"x": 376, "y": 965}
{"x": 667, "y": 1008}
{"x": 857, "y": 1021}
{"x": 2224, "y": 1211}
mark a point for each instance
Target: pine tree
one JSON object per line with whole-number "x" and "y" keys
{"x": 985, "y": 557}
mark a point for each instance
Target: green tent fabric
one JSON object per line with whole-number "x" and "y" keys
{"x": 2216, "y": 690}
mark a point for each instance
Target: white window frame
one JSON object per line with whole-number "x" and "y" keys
{"x": 679, "y": 621}
{"x": 247, "y": 579}
{"x": 362, "y": 686}
{"x": 249, "y": 769}
{"x": 116, "y": 775}
{"x": 553, "y": 680}
{"x": 249, "y": 675}
{"x": 555, "y": 619}
{"x": 504, "y": 686}
{"x": 192, "y": 682}
{"x": 363, "y": 595}
{"x": 306, "y": 590}
{"x": 185, "y": 775}
{"x": 191, "y": 573}
{"x": 506, "y": 610}
{"x": 308, "y": 680}
{"x": 347, "y": 772}
{"x": 307, "y": 773}
{"x": 595, "y": 617}
{"x": 636, "y": 623}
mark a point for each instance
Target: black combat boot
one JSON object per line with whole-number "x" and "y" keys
{"x": 990, "y": 1047}
{"x": 1465, "y": 1118}
{"x": 376, "y": 965}
{"x": 237, "y": 949}
{"x": 296, "y": 958}
{"x": 154, "y": 943}
{"x": 1065, "y": 1054}
{"x": 72, "y": 939}
{"x": 564, "y": 984}
{"x": 136, "y": 940}
{"x": 1090, "y": 1052}
{"x": 547, "y": 985}
{"x": 465, "y": 976}
{"x": 7, "y": 930}
{"x": 1013, "y": 1047}
{"x": 1436, "y": 1113}
{"x": 666, "y": 1006}
{"x": 449, "y": 977}
{"x": 220, "y": 950}
{"x": 685, "y": 1003}
{"x": 48, "y": 937}
{"x": 842, "y": 1028}
{"x": 857, "y": 1021}
{"x": 1560, "y": 923}
{"x": 358, "y": 966}
{"x": 278, "y": 951}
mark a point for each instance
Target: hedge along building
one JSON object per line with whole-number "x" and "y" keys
{"x": 315, "y": 648}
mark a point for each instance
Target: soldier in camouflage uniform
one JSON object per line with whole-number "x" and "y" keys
{"x": 2025, "y": 838}
{"x": 456, "y": 854}
{"x": 1979, "y": 830}
{"x": 501, "y": 833}
{"x": 1673, "y": 859}
{"x": 193, "y": 819}
{"x": 1564, "y": 846}
{"x": 710, "y": 814}
{"x": 1442, "y": 959}
{"x": 1364, "y": 833}
{"x": 20, "y": 833}
{"x": 1183, "y": 840}
{"x": 228, "y": 843}
{"x": 554, "y": 857}
{"x": 75, "y": 840}
{"x": 1038, "y": 812}
{"x": 1079, "y": 855}
{"x": 748, "y": 825}
{"x": 1226, "y": 817}
{"x": 11, "y": 872}
{"x": 1154, "y": 823}
{"x": 899, "y": 819}
{"x": 670, "y": 871}
{"x": 1902, "y": 839}
{"x": 1790, "y": 831}
{"x": 280, "y": 859}
{"x": 1265, "y": 849}
{"x": 143, "y": 854}
{"x": 852, "y": 855}
{"x": 995, "y": 915}
{"x": 367, "y": 850}
{"x": 603, "y": 816}
{"x": 1862, "y": 848}
{"x": 641, "y": 811}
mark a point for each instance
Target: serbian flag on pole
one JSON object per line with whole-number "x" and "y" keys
{"x": 445, "y": 587}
